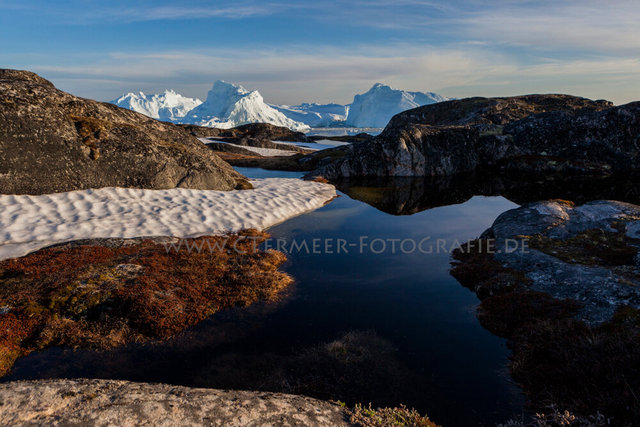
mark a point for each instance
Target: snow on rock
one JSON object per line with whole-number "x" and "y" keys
{"x": 229, "y": 105}
{"x": 167, "y": 106}
{"x": 28, "y": 223}
{"x": 315, "y": 115}
{"x": 376, "y": 107}
{"x": 318, "y": 145}
{"x": 267, "y": 152}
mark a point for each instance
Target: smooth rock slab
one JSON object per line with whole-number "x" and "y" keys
{"x": 122, "y": 403}
{"x": 601, "y": 289}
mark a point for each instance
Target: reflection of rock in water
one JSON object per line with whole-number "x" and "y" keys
{"x": 358, "y": 366}
{"x": 409, "y": 195}
{"x": 355, "y": 367}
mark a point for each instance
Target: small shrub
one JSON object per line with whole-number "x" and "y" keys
{"x": 383, "y": 417}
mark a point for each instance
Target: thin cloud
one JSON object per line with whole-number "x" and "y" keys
{"x": 78, "y": 14}
{"x": 288, "y": 76}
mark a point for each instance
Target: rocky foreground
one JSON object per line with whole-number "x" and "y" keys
{"x": 562, "y": 284}
{"x": 533, "y": 133}
{"x": 51, "y": 141}
{"x": 104, "y": 402}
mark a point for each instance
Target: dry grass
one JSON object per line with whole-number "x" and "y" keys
{"x": 383, "y": 417}
{"x": 99, "y": 297}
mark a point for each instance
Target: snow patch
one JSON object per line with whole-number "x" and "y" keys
{"x": 553, "y": 209}
{"x": 321, "y": 144}
{"x": 267, "y": 152}
{"x": 29, "y": 223}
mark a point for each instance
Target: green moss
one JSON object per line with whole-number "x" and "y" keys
{"x": 494, "y": 131}
{"x": 592, "y": 247}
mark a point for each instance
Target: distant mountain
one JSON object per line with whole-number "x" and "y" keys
{"x": 315, "y": 115}
{"x": 376, "y": 107}
{"x": 167, "y": 106}
{"x": 229, "y": 105}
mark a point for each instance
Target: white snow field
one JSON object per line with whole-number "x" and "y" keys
{"x": 267, "y": 152}
{"x": 28, "y": 223}
{"x": 229, "y": 105}
{"x": 168, "y": 106}
{"x": 375, "y": 107}
{"x": 320, "y": 144}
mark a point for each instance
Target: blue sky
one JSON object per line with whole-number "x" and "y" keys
{"x": 328, "y": 50}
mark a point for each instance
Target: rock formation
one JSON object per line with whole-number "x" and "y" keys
{"x": 534, "y": 133}
{"x": 105, "y": 402}
{"x": 51, "y": 141}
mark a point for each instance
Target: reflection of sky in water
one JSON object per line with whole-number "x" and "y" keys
{"x": 409, "y": 299}
{"x": 264, "y": 173}
{"x": 458, "y": 369}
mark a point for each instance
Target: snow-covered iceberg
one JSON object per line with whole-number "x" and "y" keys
{"x": 229, "y": 105}
{"x": 375, "y": 107}
{"x": 166, "y": 106}
{"x": 315, "y": 115}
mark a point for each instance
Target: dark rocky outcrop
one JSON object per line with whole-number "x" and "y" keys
{"x": 485, "y": 113}
{"x": 562, "y": 283}
{"x": 535, "y": 133}
{"x": 257, "y": 131}
{"x": 51, "y": 141}
{"x": 587, "y": 253}
{"x": 301, "y": 162}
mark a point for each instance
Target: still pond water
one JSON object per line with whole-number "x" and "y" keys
{"x": 445, "y": 363}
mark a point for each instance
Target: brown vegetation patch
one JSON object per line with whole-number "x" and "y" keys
{"x": 382, "y": 417}
{"x": 587, "y": 369}
{"x": 321, "y": 179}
{"x": 100, "y": 296}
{"x": 91, "y": 129}
{"x": 475, "y": 268}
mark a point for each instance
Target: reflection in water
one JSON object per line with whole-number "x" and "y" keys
{"x": 385, "y": 328}
{"x": 388, "y": 329}
{"x": 409, "y": 195}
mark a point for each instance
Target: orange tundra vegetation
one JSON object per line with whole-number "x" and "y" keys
{"x": 102, "y": 295}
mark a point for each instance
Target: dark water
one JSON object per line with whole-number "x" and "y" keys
{"x": 447, "y": 365}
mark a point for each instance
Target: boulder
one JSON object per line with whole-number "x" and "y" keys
{"x": 587, "y": 253}
{"x": 51, "y": 141}
{"x": 256, "y": 131}
{"x": 105, "y": 402}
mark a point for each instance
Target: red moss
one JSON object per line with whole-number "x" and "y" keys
{"x": 98, "y": 297}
